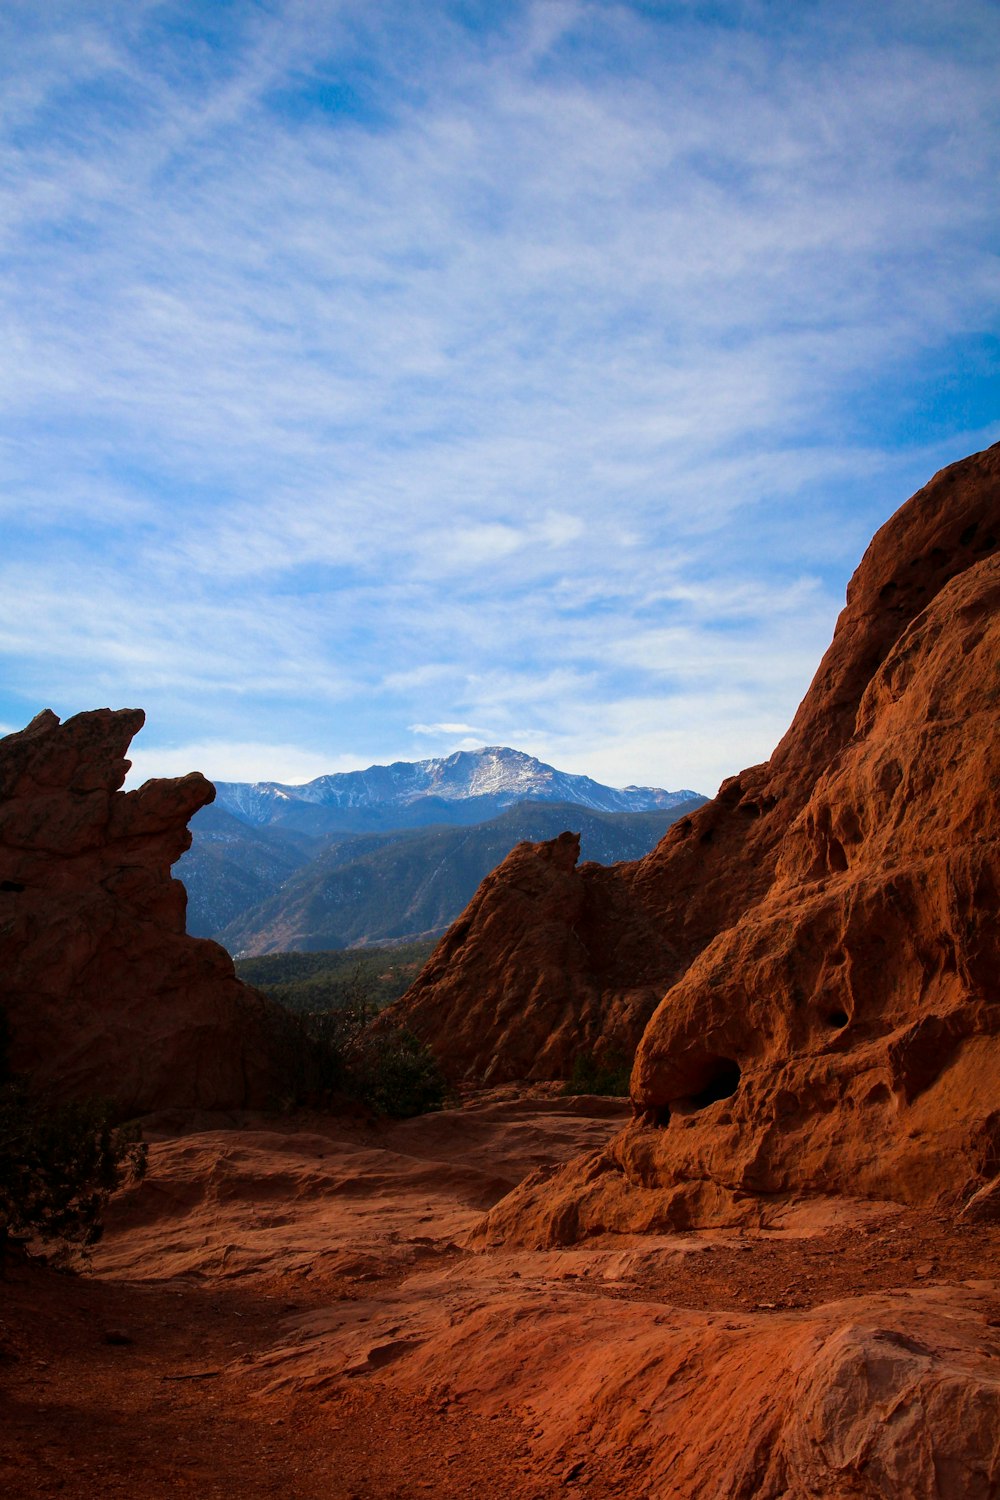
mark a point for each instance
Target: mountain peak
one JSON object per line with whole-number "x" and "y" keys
{"x": 489, "y": 779}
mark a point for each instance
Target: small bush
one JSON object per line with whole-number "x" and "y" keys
{"x": 59, "y": 1164}
{"x": 385, "y": 1067}
{"x": 389, "y": 1069}
{"x": 606, "y": 1075}
{"x": 402, "y": 1076}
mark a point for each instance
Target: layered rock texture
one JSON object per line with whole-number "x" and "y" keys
{"x": 823, "y": 933}
{"x": 102, "y": 989}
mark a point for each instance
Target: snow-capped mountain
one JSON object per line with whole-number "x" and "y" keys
{"x": 466, "y": 787}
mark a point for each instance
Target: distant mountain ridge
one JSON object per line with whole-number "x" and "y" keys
{"x": 383, "y": 887}
{"x": 469, "y": 786}
{"x": 323, "y": 864}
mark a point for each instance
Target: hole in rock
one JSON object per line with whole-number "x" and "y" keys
{"x": 11, "y": 885}
{"x": 880, "y": 1094}
{"x": 837, "y": 1019}
{"x": 836, "y": 857}
{"x": 887, "y": 590}
{"x": 720, "y": 1078}
{"x": 968, "y": 534}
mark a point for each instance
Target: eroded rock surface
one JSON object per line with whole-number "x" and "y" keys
{"x": 853, "y": 1350}
{"x": 550, "y": 959}
{"x": 286, "y": 1306}
{"x": 825, "y": 930}
{"x": 103, "y": 990}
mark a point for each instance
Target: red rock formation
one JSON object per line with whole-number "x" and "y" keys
{"x": 827, "y": 924}
{"x": 103, "y": 990}
{"x": 873, "y": 1398}
{"x": 610, "y": 941}
{"x": 525, "y": 978}
{"x": 856, "y": 1353}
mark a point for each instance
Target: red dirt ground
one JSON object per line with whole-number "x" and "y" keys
{"x": 149, "y": 1383}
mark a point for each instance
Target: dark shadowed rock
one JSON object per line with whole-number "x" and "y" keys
{"x": 103, "y": 990}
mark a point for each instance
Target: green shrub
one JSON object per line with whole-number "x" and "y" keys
{"x": 59, "y": 1164}
{"x": 605, "y": 1075}
{"x": 387, "y": 1067}
{"x": 401, "y": 1075}
{"x": 321, "y": 980}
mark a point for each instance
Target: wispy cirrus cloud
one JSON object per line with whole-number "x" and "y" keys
{"x": 374, "y": 370}
{"x": 466, "y": 731}
{"x": 235, "y": 760}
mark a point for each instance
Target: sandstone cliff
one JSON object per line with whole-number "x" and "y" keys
{"x": 103, "y": 990}
{"x": 825, "y": 929}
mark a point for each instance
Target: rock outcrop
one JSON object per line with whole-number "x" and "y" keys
{"x": 530, "y": 974}
{"x": 873, "y": 1398}
{"x": 103, "y": 991}
{"x": 825, "y": 928}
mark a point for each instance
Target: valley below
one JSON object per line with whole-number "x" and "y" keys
{"x": 283, "y": 886}
{"x": 289, "y": 1306}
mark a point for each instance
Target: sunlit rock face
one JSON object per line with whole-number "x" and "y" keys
{"x": 845, "y": 1034}
{"x": 102, "y": 989}
{"x": 834, "y": 1022}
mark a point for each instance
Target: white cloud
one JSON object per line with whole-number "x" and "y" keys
{"x": 480, "y": 735}
{"x": 541, "y": 390}
{"x": 222, "y": 760}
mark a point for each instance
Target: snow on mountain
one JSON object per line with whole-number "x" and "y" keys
{"x": 494, "y": 778}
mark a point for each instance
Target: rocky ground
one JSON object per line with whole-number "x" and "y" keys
{"x": 286, "y": 1308}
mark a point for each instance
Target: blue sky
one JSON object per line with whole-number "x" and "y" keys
{"x": 383, "y": 378}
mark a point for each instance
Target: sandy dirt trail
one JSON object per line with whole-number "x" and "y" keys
{"x": 152, "y": 1374}
{"x": 285, "y": 1307}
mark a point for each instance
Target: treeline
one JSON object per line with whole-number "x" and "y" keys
{"x": 326, "y": 981}
{"x": 337, "y": 996}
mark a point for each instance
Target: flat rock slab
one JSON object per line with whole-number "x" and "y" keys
{"x": 817, "y": 1357}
